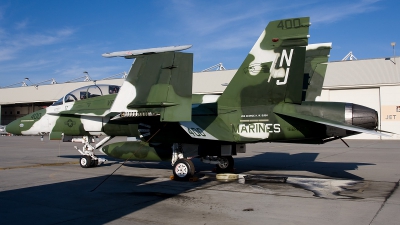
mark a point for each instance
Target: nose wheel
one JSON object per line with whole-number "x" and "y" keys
{"x": 183, "y": 169}
{"x": 86, "y": 161}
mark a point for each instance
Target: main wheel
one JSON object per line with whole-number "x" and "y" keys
{"x": 85, "y": 161}
{"x": 225, "y": 164}
{"x": 183, "y": 169}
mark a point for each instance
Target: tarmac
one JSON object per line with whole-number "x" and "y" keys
{"x": 41, "y": 182}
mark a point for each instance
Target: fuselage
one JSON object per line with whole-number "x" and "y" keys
{"x": 92, "y": 116}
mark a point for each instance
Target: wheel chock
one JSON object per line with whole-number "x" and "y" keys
{"x": 227, "y": 176}
{"x": 193, "y": 179}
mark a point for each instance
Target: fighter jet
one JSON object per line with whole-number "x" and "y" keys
{"x": 271, "y": 98}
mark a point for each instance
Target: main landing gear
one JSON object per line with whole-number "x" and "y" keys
{"x": 225, "y": 164}
{"x": 88, "y": 158}
{"x": 183, "y": 168}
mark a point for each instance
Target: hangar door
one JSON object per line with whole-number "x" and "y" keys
{"x": 368, "y": 97}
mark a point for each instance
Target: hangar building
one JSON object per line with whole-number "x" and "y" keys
{"x": 374, "y": 83}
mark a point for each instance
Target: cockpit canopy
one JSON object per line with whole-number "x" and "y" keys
{"x": 90, "y": 91}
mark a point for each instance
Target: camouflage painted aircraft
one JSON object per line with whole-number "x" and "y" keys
{"x": 271, "y": 98}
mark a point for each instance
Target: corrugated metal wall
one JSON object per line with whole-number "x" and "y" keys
{"x": 363, "y": 72}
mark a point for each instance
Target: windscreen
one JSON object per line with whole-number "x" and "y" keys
{"x": 87, "y": 92}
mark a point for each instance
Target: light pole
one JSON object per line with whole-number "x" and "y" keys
{"x": 24, "y": 84}
{"x": 394, "y": 51}
{"x": 87, "y": 78}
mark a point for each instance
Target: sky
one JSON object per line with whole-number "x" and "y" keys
{"x": 44, "y": 39}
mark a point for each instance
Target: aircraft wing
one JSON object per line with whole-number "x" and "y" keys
{"x": 332, "y": 123}
{"x": 134, "y": 53}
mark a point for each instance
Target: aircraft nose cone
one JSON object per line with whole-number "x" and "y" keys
{"x": 13, "y": 127}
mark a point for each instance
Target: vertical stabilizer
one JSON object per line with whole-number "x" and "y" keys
{"x": 158, "y": 84}
{"x": 314, "y": 70}
{"x": 273, "y": 71}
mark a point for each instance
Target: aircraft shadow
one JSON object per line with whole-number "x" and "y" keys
{"x": 72, "y": 202}
{"x": 276, "y": 161}
{"x": 79, "y": 156}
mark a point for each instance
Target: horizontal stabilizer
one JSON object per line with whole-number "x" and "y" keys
{"x": 331, "y": 123}
{"x": 134, "y": 53}
{"x": 384, "y": 131}
{"x": 319, "y": 49}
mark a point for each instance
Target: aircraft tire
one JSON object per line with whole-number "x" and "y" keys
{"x": 183, "y": 169}
{"x": 191, "y": 166}
{"x": 227, "y": 166}
{"x": 94, "y": 163}
{"x": 85, "y": 161}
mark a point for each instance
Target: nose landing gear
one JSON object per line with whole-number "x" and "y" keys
{"x": 88, "y": 158}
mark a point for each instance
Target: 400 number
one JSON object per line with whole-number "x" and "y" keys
{"x": 196, "y": 132}
{"x": 289, "y": 24}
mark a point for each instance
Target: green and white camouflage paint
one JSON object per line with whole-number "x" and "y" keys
{"x": 271, "y": 98}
